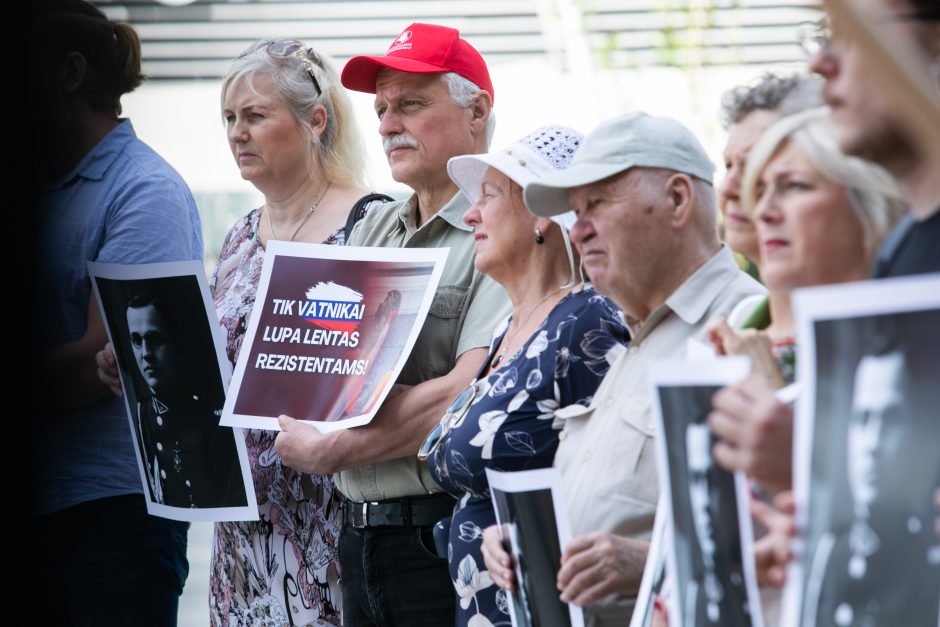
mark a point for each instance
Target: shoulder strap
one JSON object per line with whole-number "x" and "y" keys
{"x": 356, "y": 212}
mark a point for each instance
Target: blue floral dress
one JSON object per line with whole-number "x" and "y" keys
{"x": 511, "y": 426}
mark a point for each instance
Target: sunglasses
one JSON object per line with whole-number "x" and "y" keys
{"x": 452, "y": 419}
{"x": 286, "y": 49}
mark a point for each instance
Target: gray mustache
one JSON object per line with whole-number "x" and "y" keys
{"x": 398, "y": 141}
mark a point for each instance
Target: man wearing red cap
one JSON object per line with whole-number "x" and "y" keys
{"x": 433, "y": 98}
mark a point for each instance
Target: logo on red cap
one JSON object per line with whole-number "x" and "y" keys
{"x": 401, "y": 43}
{"x": 421, "y": 49}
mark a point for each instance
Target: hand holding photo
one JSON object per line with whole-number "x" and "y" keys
{"x": 530, "y": 509}
{"x": 172, "y": 368}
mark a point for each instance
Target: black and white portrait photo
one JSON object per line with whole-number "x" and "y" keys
{"x": 872, "y": 439}
{"x": 706, "y": 566}
{"x": 654, "y": 571}
{"x": 528, "y": 506}
{"x": 174, "y": 391}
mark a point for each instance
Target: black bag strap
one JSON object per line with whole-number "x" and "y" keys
{"x": 356, "y": 210}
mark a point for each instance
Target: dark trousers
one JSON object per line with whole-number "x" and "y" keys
{"x": 392, "y": 578}
{"x": 107, "y": 562}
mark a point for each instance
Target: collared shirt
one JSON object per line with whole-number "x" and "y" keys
{"x": 122, "y": 204}
{"x": 606, "y": 454}
{"x": 463, "y": 315}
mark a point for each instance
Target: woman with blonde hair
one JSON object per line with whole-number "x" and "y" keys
{"x": 820, "y": 217}
{"x": 291, "y": 130}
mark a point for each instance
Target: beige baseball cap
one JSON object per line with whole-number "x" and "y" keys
{"x": 628, "y": 141}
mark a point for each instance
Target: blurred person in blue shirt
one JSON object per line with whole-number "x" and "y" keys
{"x": 106, "y": 197}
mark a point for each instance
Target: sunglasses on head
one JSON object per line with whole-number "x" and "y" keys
{"x": 286, "y": 49}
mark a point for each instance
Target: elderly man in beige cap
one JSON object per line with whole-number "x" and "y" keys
{"x": 641, "y": 187}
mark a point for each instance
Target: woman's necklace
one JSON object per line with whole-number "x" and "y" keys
{"x": 302, "y": 222}
{"x": 515, "y": 331}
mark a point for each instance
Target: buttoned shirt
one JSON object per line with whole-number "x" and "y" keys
{"x": 188, "y": 461}
{"x": 606, "y": 453}
{"x": 464, "y": 313}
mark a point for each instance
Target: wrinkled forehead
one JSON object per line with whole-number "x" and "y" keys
{"x": 613, "y": 186}
{"x": 876, "y": 7}
{"x": 390, "y": 81}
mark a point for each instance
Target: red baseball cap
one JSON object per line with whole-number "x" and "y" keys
{"x": 421, "y": 49}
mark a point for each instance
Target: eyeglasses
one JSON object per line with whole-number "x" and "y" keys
{"x": 817, "y": 37}
{"x": 452, "y": 418}
{"x": 814, "y": 37}
{"x": 286, "y": 49}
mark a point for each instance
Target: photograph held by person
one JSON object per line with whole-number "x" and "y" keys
{"x": 746, "y": 112}
{"x": 647, "y": 231}
{"x": 871, "y": 558}
{"x": 290, "y": 128}
{"x": 433, "y": 99}
{"x": 551, "y": 352}
{"x": 107, "y": 197}
{"x": 188, "y": 459}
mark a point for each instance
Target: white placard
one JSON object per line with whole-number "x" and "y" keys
{"x": 330, "y": 331}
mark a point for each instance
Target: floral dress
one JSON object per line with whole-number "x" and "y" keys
{"x": 511, "y": 425}
{"x": 283, "y": 568}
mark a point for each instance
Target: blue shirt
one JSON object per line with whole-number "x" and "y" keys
{"x": 122, "y": 204}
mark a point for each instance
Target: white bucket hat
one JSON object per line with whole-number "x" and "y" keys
{"x": 543, "y": 152}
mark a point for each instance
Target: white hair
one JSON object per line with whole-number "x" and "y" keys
{"x": 465, "y": 92}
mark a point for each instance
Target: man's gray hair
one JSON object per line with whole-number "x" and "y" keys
{"x": 464, "y": 92}
{"x": 781, "y": 94}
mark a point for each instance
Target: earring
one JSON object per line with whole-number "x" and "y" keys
{"x": 539, "y": 238}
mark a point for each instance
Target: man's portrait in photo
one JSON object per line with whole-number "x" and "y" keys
{"x": 174, "y": 391}
{"x": 871, "y": 510}
{"x": 709, "y": 578}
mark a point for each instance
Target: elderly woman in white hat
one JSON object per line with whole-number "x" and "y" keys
{"x": 551, "y": 352}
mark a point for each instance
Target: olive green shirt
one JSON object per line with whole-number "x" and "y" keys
{"x": 465, "y": 311}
